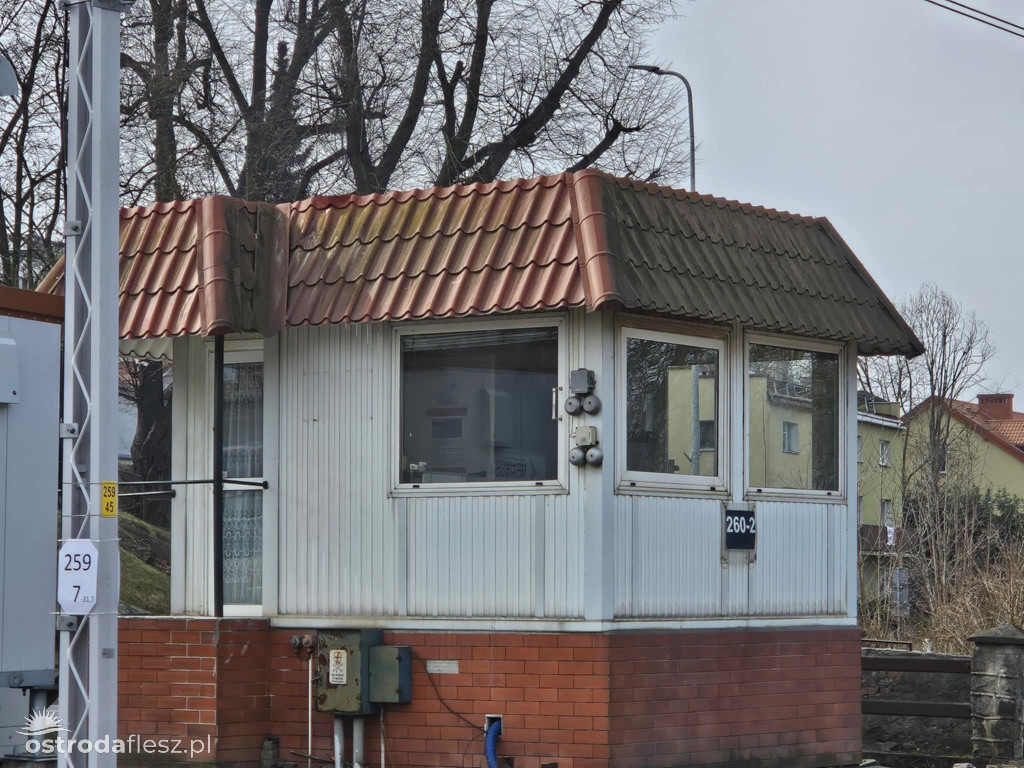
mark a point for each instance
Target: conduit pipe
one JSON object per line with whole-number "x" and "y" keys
{"x": 339, "y": 742}
{"x": 491, "y": 743}
{"x": 309, "y": 715}
{"x": 357, "y": 742}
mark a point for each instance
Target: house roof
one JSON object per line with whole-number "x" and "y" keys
{"x": 582, "y": 239}
{"x": 1007, "y": 434}
{"x": 1010, "y": 429}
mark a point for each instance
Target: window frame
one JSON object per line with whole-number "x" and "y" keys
{"x": 885, "y": 453}
{"x": 882, "y": 515}
{"x": 242, "y": 351}
{"x": 558, "y": 485}
{"x": 785, "y": 432}
{"x": 860, "y": 449}
{"x": 752, "y": 493}
{"x": 634, "y": 481}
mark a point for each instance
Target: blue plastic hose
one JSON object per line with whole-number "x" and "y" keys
{"x": 491, "y": 744}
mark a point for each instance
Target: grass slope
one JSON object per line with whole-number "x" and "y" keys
{"x": 145, "y": 566}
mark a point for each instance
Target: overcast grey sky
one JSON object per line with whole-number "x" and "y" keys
{"x": 901, "y": 122}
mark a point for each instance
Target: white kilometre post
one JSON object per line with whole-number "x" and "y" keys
{"x": 88, "y": 651}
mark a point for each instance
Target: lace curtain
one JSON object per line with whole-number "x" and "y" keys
{"x": 243, "y": 458}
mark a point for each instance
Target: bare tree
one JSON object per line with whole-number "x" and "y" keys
{"x": 949, "y": 539}
{"x": 279, "y": 100}
{"x": 31, "y": 155}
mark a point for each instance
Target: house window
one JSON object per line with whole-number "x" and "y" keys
{"x": 790, "y": 437}
{"x": 476, "y": 406}
{"x": 888, "y": 518}
{"x": 672, "y": 424}
{"x": 860, "y": 449}
{"x": 242, "y": 456}
{"x": 885, "y": 453}
{"x": 793, "y": 390}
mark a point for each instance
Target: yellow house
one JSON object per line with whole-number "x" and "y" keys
{"x": 989, "y": 434}
{"x": 881, "y": 439}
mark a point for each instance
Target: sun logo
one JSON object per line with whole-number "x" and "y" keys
{"x": 41, "y": 721}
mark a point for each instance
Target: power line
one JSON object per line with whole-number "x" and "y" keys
{"x": 975, "y": 18}
{"x": 989, "y": 15}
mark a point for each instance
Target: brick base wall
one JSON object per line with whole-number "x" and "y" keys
{"x": 573, "y": 699}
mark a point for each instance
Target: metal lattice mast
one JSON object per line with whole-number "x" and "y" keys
{"x": 88, "y": 657}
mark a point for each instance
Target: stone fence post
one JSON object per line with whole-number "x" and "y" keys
{"x": 997, "y": 694}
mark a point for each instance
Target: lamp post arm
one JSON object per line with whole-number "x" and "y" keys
{"x": 689, "y": 113}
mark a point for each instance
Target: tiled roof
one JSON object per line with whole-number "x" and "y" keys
{"x": 584, "y": 239}
{"x": 681, "y": 253}
{"x": 191, "y": 268}
{"x": 436, "y": 253}
{"x": 1011, "y": 430}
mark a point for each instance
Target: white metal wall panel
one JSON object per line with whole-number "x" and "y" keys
{"x": 347, "y": 549}
{"x": 337, "y": 527}
{"x": 198, "y": 499}
{"x": 668, "y": 557}
{"x": 668, "y": 560}
{"x": 471, "y": 556}
{"x": 801, "y": 560}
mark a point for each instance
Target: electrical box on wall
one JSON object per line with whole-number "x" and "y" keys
{"x": 391, "y": 674}
{"x": 343, "y": 671}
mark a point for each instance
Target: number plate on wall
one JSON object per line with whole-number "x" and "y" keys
{"x": 740, "y": 529}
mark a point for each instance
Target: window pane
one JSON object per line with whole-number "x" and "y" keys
{"x": 794, "y": 392}
{"x": 243, "y": 547}
{"x": 243, "y": 420}
{"x": 476, "y": 406}
{"x": 672, "y": 408}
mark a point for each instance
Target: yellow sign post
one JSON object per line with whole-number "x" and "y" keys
{"x": 108, "y": 499}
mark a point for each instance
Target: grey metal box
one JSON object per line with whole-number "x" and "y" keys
{"x": 391, "y": 674}
{"x": 28, "y": 499}
{"x": 343, "y": 670}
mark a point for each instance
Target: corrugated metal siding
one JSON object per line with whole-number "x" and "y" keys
{"x": 668, "y": 560}
{"x": 348, "y": 549}
{"x": 668, "y": 557}
{"x": 198, "y": 498}
{"x": 337, "y": 528}
{"x": 801, "y": 560}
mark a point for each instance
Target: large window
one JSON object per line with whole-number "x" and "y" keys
{"x": 673, "y": 426}
{"x": 476, "y": 406}
{"x": 795, "y": 392}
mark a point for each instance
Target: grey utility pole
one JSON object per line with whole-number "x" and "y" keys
{"x": 689, "y": 113}
{"x": 88, "y": 641}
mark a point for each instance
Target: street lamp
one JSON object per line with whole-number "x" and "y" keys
{"x": 689, "y": 111}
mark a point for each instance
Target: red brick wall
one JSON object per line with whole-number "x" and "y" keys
{"x": 579, "y": 700}
{"x": 787, "y": 698}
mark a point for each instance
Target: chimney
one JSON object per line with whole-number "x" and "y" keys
{"x": 995, "y": 407}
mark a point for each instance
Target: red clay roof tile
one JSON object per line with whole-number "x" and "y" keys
{"x": 584, "y": 239}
